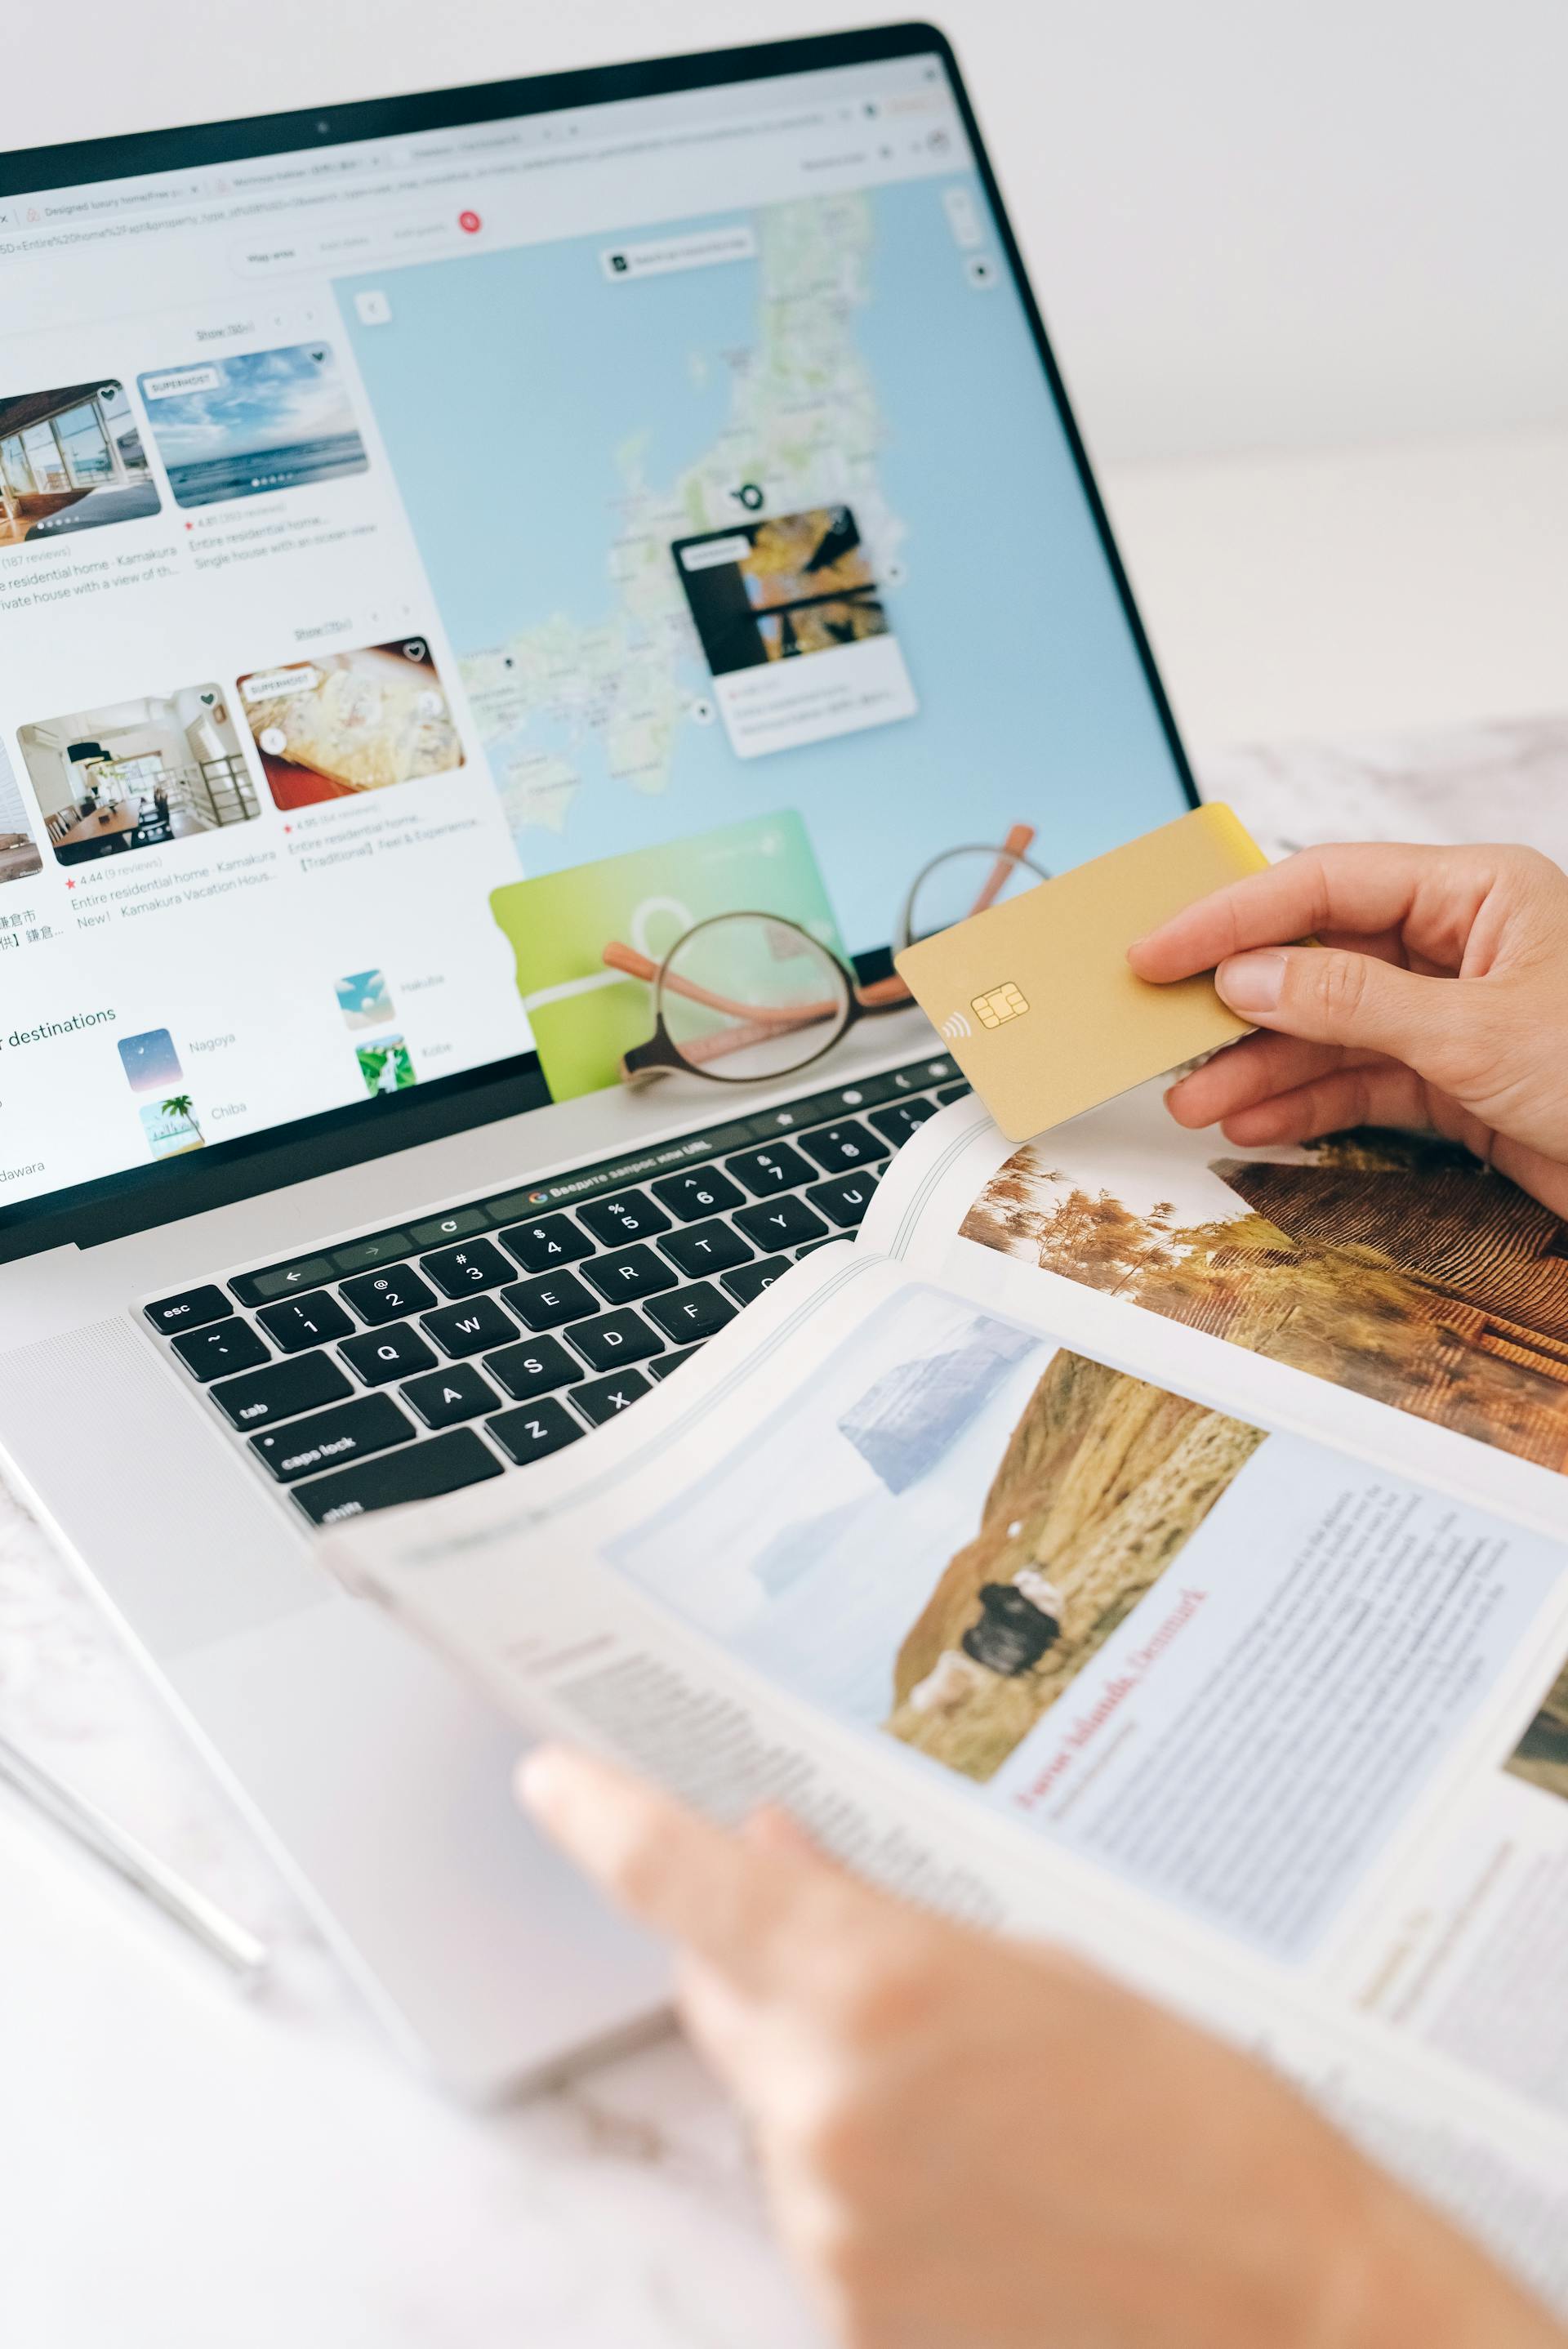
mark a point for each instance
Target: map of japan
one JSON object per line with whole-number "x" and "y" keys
{"x": 589, "y": 702}
{"x": 757, "y": 510}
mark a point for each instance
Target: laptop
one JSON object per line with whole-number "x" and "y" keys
{"x": 441, "y": 539}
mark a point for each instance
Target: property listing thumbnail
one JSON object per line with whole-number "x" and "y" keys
{"x": 70, "y": 459}
{"x": 1105, "y": 1605}
{"x": 19, "y": 857}
{"x": 252, "y": 422}
{"x": 767, "y": 594}
{"x": 342, "y": 723}
{"x": 139, "y": 774}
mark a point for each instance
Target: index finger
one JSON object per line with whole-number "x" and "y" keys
{"x": 734, "y": 1902}
{"x": 1363, "y": 889}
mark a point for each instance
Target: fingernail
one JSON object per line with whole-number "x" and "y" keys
{"x": 538, "y": 1778}
{"x": 1252, "y": 982}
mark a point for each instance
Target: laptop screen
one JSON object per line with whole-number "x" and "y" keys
{"x": 427, "y": 557}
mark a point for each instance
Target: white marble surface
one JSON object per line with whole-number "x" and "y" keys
{"x": 180, "y": 2166}
{"x": 1497, "y": 781}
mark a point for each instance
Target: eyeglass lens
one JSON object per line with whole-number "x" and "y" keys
{"x": 745, "y": 997}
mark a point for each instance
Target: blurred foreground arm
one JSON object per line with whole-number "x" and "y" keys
{"x": 1437, "y": 999}
{"x": 974, "y": 2143}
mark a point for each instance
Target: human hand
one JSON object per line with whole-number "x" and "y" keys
{"x": 1437, "y": 998}
{"x": 977, "y": 2143}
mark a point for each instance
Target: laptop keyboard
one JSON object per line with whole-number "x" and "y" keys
{"x": 408, "y": 1362}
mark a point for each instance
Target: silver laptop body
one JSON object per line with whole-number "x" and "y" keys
{"x": 248, "y": 1285}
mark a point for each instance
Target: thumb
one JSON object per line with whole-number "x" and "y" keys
{"x": 1329, "y": 996}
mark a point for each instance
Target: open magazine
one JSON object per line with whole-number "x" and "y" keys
{"x": 1130, "y": 1540}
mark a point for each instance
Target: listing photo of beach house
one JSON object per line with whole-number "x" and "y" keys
{"x": 70, "y": 459}
{"x": 252, "y": 422}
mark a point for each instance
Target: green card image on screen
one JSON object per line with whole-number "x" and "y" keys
{"x": 585, "y": 1016}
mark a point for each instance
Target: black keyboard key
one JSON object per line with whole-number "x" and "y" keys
{"x": 282, "y": 1390}
{"x": 812, "y": 1246}
{"x": 445, "y": 1397}
{"x": 534, "y": 1431}
{"x": 629, "y": 1216}
{"x": 417, "y": 1474}
{"x": 397, "y": 1352}
{"x": 700, "y": 1191}
{"x": 750, "y": 1280}
{"x": 603, "y": 1399}
{"x": 764, "y": 1172}
{"x": 301, "y": 1321}
{"x": 371, "y": 1423}
{"x": 840, "y": 1147}
{"x": 455, "y": 1224}
{"x": 532, "y": 1368}
{"x": 384, "y": 1247}
{"x": 232, "y": 1346}
{"x": 552, "y": 1240}
{"x": 191, "y": 1310}
{"x": 692, "y": 1314}
{"x": 901, "y": 1119}
{"x": 470, "y": 1328}
{"x": 629, "y": 1272}
{"x": 953, "y": 1092}
{"x": 706, "y": 1247}
{"x": 378, "y": 1297}
{"x": 460, "y": 1272}
{"x": 781, "y": 1222}
{"x": 546, "y": 1303}
{"x": 614, "y": 1338}
{"x": 844, "y": 1201}
{"x": 665, "y": 1364}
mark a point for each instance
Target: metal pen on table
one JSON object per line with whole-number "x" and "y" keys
{"x": 202, "y": 1919}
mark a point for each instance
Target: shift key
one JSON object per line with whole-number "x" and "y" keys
{"x": 443, "y": 1464}
{"x": 331, "y": 1439}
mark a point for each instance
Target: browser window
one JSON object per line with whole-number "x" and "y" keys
{"x": 665, "y": 483}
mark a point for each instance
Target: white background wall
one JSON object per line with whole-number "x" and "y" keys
{"x": 1256, "y": 223}
{"x": 1266, "y": 234}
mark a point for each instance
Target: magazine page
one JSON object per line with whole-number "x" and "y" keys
{"x": 1011, "y": 1627}
{"x": 1381, "y": 1290}
{"x": 1403, "y": 1304}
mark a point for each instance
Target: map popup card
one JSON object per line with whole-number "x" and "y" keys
{"x": 1035, "y": 1001}
{"x": 794, "y": 629}
{"x": 584, "y": 1015}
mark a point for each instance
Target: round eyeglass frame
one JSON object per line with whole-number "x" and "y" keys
{"x": 661, "y": 1053}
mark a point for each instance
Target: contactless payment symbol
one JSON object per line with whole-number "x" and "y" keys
{"x": 998, "y": 1005}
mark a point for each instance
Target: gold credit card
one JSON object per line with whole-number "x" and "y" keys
{"x": 1035, "y": 999}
